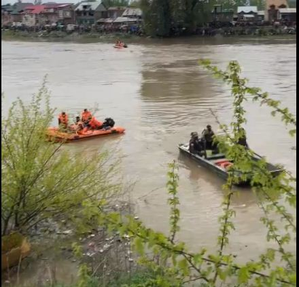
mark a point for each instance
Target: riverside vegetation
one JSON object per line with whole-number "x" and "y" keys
{"x": 40, "y": 180}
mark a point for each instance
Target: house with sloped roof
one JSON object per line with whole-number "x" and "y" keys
{"x": 115, "y": 12}
{"x": 62, "y": 13}
{"x": 13, "y": 13}
{"x": 135, "y": 13}
{"x": 32, "y": 15}
{"x": 49, "y": 14}
{"x": 271, "y": 9}
{"x": 287, "y": 14}
{"x": 87, "y": 12}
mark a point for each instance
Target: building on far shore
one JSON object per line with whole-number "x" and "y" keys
{"x": 261, "y": 15}
{"x": 222, "y": 15}
{"x": 287, "y": 14}
{"x": 13, "y": 13}
{"x": 87, "y": 12}
{"x": 247, "y": 13}
{"x": 48, "y": 14}
{"x": 271, "y": 9}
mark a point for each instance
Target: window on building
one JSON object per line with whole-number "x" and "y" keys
{"x": 67, "y": 14}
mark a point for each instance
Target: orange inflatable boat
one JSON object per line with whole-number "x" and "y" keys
{"x": 54, "y": 134}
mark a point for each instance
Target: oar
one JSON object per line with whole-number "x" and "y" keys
{"x": 256, "y": 154}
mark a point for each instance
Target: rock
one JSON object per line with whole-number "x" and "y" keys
{"x": 67, "y": 232}
{"x": 106, "y": 246}
{"x": 91, "y": 244}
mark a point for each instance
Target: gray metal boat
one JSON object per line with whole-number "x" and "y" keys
{"x": 218, "y": 163}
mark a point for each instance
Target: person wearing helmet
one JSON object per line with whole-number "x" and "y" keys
{"x": 85, "y": 115}
{"x": 195, "y": 144}
{"x": 243, "y": 139}
{"x": 63, "y": 121}
{"x": 208, "y": 137}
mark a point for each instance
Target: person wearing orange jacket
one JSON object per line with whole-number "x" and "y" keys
{"x": 95, "y": 124}
{"x": 63, "y": 120}
{"x": 85, "y": 115}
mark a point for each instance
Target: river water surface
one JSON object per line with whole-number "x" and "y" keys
{"x": 160, "y": 95}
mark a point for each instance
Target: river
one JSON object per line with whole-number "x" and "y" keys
{"x": 160, "y": 95}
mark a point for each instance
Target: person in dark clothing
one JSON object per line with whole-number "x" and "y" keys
{"x": 208, "y": 136}
{"x": 195, "y": 144}
{"x": 108, "y": 123}
{"x": 243, "y": 139}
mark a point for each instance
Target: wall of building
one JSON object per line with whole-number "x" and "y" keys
{"x": 29, "y": 20}
{"x": 271, "y": 14}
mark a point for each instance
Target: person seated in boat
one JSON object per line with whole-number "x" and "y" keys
{"x": 243, "y": 139}
{"x": 108, "y": 123}
{"x": 63, "y": 121}
{"x": 79, "y": 126}
{"x": 195, "y": 144}
{"x": 94, "y": 124}
{"x": 85, "y": 115}
{"x": 118, "y": 43}
{"x": 208, "y": 138}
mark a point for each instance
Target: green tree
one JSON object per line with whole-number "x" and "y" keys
{"x": 116, "y": 3}
{"x": 40, "y": 179}
{"x": 160, "y": 17}
{"x": 135, "y": 4}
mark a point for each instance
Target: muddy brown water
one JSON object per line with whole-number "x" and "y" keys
{"x": 160, "y": 95}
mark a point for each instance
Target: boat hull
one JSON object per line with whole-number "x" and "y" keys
{"x": 222, "y": 173}
{"x": 54, "y": 134}
{"x": 15, "y": 255}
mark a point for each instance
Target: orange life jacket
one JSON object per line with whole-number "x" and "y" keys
{"x": 63, "y": 119}
{"x": 85, "y": 116}
{"x": 94, "y": 123}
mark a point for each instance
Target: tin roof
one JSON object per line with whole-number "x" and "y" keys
{"x": 116, "y": 8}
{"x": 132, "y": 12}
{"x": 124, "y": 20}
{"x": 287, "y": 10}
{"x": 57, "y": 5}
{"x": 90, "y": 5}
{"x": 247, "y": 9}
{"x": 34, "y": 9}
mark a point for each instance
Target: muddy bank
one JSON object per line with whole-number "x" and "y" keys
{"x": 54, "y": 258}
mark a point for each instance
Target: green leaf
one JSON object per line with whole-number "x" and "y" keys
{"x": 139, "y": 245}
{"x": 243, "y": 275}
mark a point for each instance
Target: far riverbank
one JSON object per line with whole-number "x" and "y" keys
{"x": 95, "y": 37}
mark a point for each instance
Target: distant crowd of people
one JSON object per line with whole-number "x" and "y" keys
{"x": 134, "y": 29}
